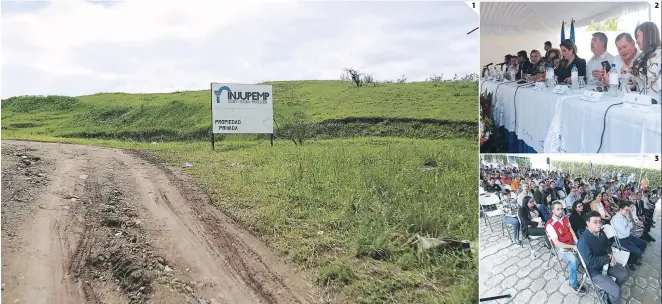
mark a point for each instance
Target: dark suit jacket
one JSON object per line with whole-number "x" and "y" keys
{"x": 594, "y": 251}
{"x": 524, "y": 66}
{"x": 564, "y": 72}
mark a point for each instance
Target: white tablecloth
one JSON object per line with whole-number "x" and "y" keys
{"x": 551, "y": 123}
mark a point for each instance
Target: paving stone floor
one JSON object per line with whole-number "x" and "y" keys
{"x": 506, "y": 268}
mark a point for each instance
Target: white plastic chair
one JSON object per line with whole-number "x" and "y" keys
{"x": 624, "y": 254}
{"x": 485, "y": 201}
{"x": 530, "y": 238}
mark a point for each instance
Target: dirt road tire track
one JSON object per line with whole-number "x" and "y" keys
{"x": 170, "y": 244}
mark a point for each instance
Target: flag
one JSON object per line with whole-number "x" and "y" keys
{"x": 572, "y": 30}
{"x": 562, "y": 31}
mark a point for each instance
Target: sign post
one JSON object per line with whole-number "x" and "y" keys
{"x": 241, "y": 109}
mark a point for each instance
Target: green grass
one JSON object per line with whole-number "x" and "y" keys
{"x": 330, "y": 206}
{"x": 427, "y": 110}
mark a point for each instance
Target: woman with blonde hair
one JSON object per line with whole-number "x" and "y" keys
{"x": 537, "y": 68}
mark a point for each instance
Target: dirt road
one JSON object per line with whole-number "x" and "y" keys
{"x": 93, "y": 225}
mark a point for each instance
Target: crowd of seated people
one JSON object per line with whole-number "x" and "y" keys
{"x": 570, "y": 211}
{"x": 638, "y": 61}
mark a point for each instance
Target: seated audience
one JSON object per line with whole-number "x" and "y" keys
{"x": 539, "y": 193}
{"x": 606, "y": 202}
{"x": 529, "y": 215}
{"x": 572, "y": 198}
{"x": 622, "y": 227}
{"x": 596, "y": 252}
{"x": 597, "y": 206}
{"x": 543, "y": 207}
{"x": 510, "y": 208}
{"x": 641, "y": 215}
{"x": 524, "y": 193}
{"x": 563, "y": 241}
{"x": 577, "y": 217}
{"x": 553, "y": 191}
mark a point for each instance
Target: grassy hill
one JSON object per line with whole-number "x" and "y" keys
{"x": 330, "y": 206}
{"x": 415, "y": 110}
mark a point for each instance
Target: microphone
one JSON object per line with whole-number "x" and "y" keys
{"x": 502, "y": 64}
{"x": 491, "y": 63}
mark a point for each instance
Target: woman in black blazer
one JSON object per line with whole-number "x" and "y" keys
{"x": 569, "y": 57}
{"x": 527, "y": 213}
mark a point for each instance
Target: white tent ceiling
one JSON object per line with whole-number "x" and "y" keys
{"x": 522, "y": 17}
{"x": 507, "y": 27}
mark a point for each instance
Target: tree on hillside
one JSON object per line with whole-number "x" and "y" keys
{"x": 354, "y": 76}
{"x": 609, "y": 25}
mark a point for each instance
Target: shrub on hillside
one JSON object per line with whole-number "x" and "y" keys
{"x": 295, "y": 127}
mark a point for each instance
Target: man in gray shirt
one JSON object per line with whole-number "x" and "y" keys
{"x": 594, "y": 69}
{"x": 622, "y": 226}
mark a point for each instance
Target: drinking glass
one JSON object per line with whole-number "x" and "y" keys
{"x": 582, "y": 82}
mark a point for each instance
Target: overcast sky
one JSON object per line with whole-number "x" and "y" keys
{"x": 72, "y": 47}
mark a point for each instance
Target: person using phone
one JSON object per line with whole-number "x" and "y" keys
{"x": 600, "y": 64}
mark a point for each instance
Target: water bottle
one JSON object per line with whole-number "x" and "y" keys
{"x": 550, "y": 77}
{"x": 613, "y": 81}
{"x": 604, "y": 269}
{"x": 574, "y": 77}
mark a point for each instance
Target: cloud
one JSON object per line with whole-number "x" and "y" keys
{"x": 76, "y": 47}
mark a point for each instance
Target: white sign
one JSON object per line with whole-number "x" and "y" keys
{"x": 540, "y": 86}
{"x": 242, "y": 108}
{"x": 560, "y": 89}
{"x": 639, "y": 99}
{"x": 637, "y": 102}
{"x": 591, "y": 96}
